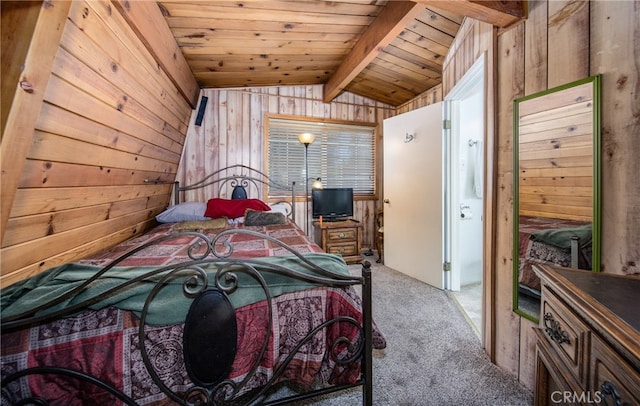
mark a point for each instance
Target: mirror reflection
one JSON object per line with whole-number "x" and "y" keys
{"x": 556, "y": 185}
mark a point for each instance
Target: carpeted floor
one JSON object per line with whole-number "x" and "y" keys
{"x": 433, "y": 356}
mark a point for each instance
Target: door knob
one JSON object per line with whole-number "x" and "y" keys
{"x": 386, "y": 201}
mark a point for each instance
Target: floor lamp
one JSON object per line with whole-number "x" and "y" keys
{"x": 306, "y": 139}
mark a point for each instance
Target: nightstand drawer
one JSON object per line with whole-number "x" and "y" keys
{"x": 567, "y": 334}
{"x": 340, "y": 237}
{"x": 346, "y": 249}
{"x": 342, "y": 234}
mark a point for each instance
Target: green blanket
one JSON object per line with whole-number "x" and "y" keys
{"x": 170, "y": 306}
{"x": 561, "y": 237}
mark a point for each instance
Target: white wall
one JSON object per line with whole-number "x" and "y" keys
{"x": 469, "y": 236}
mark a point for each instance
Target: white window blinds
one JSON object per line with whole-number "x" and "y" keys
{"x": 342, "y": 155}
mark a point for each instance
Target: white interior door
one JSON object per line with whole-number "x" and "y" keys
{"x": 413, "y": 194}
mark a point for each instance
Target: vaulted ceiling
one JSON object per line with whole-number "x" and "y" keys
{"x": 389, "y": 51}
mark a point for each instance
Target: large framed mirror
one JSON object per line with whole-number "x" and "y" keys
{"x": 556, "y": 183}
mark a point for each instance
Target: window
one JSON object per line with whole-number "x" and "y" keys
{"x": 342, "y": 154}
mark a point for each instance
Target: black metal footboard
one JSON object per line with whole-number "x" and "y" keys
{"x": 210, "y": 334}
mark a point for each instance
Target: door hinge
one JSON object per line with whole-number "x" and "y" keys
{"x": 446, "y": 266}
{"x": 446, "y": 124}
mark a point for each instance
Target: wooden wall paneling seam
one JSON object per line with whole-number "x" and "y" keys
{"x": 85, "y": 105}
{"x": 56, "y": 120}
{"x": 34, "y": 251}
{"x": 25, "y": 228}
{"x": 45, "y": 200}
{"x": 615, "y": 50}
{"x": 91, "y": 246}
{"x": 536, "y": 47}
{"x": 490, "y": 44}
{"x": 146, "y": 19}
{"x": 51, "y": 147}
{"x": 527, "y": 352}
{"x": 223, "y": 129}
{"x": 510, "y": 78}
{"x": 247, "y": 146}
{"x": 47, "y": 174}
{"x": 255, "y": 130}
{"x": 27, "y": 101}
{"x": 568, "y": 41}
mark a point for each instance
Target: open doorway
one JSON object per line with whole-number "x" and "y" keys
{"x": 464, "y": 162}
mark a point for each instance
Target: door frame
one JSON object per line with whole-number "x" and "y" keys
{"x": 460, "y": 91}
{"x": 479, "y": 67}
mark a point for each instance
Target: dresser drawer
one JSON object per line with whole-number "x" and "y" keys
{"x": 568, "y": 335}
{"x": 342, "y": 234}
{"x": 613, "y": 379}
{"x": 344, "y": 249}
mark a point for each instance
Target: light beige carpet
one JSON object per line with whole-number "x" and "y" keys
{"x": 433, "y": 356}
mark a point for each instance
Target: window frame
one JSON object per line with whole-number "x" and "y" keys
{"x": 300, "y": 182}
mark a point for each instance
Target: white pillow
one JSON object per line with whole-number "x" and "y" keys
{"x": 281, "y": 207}
{"x": 189, "y": 211}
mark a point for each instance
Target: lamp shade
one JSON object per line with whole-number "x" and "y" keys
{"x": 317, "y": 184}
{"x": 306, "y": 138}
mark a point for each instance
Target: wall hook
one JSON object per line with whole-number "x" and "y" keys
{"x": 409, "y": 137}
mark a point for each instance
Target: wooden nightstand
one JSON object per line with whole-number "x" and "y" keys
{"x": 340, "y": 237}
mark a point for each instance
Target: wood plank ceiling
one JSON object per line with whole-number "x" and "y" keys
{"x": 389, "y": 51}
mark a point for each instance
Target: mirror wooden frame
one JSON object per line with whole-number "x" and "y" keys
{"x": 553, "y": 126}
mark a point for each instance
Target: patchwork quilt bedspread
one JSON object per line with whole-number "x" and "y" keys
{"x": 534, "y": 248}
{"x": 104, "y": 342}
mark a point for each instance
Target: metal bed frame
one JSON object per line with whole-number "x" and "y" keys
{"x": 208, "y": 360}
{"x": 245, "y": 177}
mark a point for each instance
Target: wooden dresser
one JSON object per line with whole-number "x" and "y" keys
{"x": 340, "y": 237}
{"x": 588, "y": 339}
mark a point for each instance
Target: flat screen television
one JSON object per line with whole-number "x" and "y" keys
{"x": 332, "y": 203}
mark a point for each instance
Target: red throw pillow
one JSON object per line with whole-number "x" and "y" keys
{"x": 218, "y": 207}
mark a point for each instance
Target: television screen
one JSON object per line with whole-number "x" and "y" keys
{"x": 332, "y": 203}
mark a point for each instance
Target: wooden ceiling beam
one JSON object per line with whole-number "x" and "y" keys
{"x": 501, "y": 13}
{"x": 393, "y": 18}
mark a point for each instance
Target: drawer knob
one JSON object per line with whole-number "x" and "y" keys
{"x": 341, "y": 235}
{"x": 341, "y": 250}
{"x": 609, "y": 389}
{"x": 552, "y": 327}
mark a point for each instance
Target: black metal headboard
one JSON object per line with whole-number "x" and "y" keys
{"x": 238, "y": 178}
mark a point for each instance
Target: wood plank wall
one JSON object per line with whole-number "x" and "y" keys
{"x": 561, "y": 41}
{"x": 104, "y": 148}
{"x": 232, "y": 132}
{"x": 112, "y": 126}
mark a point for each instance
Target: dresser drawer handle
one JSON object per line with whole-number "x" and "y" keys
{"x": 341, "y": 250}
{"x": 552, "y": 327}
{"x": 609, "y": 389}
{"x": 342, "y": 235}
